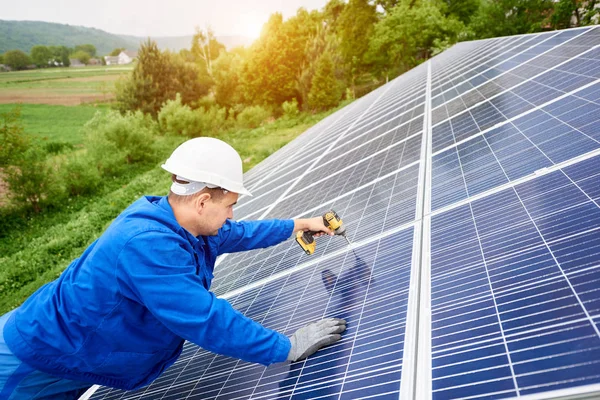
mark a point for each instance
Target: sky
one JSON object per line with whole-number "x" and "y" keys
{"x": 157, "y": 17}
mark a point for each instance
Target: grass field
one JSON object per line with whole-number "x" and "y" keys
{"x": 61, "y": 86}
{"x": 51, "y": 123}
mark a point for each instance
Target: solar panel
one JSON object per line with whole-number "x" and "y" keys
{"x": 470, "y": 187}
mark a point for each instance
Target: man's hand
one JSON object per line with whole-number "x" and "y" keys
{"x": 314, "y": 224}
{"x": 312, "y": 337}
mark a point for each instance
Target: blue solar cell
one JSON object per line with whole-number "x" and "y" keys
{"x": 536, "y": 93}
{"x": 517, "y": 293}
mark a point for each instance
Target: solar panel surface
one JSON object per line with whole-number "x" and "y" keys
{"x": 470, "y": 187}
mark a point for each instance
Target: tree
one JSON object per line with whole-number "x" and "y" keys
{"x": 88, "y": 48}
{"x": 116, "y": 51}
{"x": 356, "y": 24}
{"x": 16, "y": 59}
{"x": 41, "y": 56}
{"x": 60, "y": 55}
{"x": 331, "y": 13}
{"x": 408, "y": 35}
{"x": 509, "y": 17}
{"x": 205, "y": 49}
{"x": 387, "y": 5}
{"x": 325, "y": 91}
{"x": 463, "y": 10}
{"x": 227, "y": 69}
{"x": 82, "y": 56}
{"x": 157, "y": 77}
{"x": 584, "y": 12}
{"x": 270, "y": 72}
{"x": 323, "y": 42}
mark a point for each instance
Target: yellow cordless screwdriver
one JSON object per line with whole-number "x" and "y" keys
{"x": 332, "y": 221}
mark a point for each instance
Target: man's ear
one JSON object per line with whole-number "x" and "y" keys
{"x": 201, "y": 201}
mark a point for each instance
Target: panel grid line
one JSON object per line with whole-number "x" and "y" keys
{"x": 552, "y": 253}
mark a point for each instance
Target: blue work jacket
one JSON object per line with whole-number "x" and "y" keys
{"x": 119, "y": 314}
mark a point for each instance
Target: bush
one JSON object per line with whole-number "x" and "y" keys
{"x": 57, "y": 147}
{"x": 214, "y": 120}
{"x": 32, "y": 181}
{"x": 16, "y": 59}
{"x": 116, "y": 140}
{"x": 290, "y": 108}
{"x": 176, "y": 118}
{"x": 13, "y": 140}
{"x": 80, "y": 176}
{"x": 252, "y": 117}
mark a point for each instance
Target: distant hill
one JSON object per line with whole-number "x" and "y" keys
{"x": 23, "y": 35}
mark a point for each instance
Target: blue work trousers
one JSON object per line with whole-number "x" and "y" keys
{"x": 19, "y": 381}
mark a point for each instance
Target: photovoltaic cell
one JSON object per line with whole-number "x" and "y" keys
{"x": 378, "y": 207}
{"x": 470, "y": 189}
{"x": 367, "y": 286}
{"x": 516, "y": 313}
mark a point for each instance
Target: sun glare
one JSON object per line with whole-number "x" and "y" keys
{"x": 253, "y": 30}
{"x": 251, "y": 25}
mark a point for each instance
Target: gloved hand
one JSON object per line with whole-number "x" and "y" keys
{"x": 312, "y": 337}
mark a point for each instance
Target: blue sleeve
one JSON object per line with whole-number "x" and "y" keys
{"x": 157, "y": 270}
{"x": 249, "y": 235}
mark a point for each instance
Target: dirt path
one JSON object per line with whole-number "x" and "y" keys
{"x": 52, "y": 98}
{"x": 3, "y": 190}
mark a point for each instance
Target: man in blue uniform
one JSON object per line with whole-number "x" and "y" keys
{"x": 118, "y": 315}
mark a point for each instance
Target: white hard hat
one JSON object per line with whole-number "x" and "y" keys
{"x": 210, "y": 161}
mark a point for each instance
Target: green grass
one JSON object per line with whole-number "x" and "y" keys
{"x": 55, "y": 123}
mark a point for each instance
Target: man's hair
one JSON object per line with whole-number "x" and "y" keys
{"x": 216, "y": 194}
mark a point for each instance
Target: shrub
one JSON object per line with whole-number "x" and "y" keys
{"x": 214, "y": 120}
{"x": 32, "y": 181}
{"x": 57, "y": 147}
{"x": 290, "y": 108}
{"x": 175, "y": 118}
{"x": 80, "y": 176}
{"x": 13, "y": 140}
{"x": 252, "y": 117}
{"x": 115, "y": 140}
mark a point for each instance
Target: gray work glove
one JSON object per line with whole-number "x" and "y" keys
{"x": 312, "y": 337}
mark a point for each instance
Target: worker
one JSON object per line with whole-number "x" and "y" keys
{"x": 119, "y": 314}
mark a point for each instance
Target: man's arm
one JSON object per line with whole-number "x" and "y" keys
{"x": 155, "y": 270}
{"x": 237, "y": 236}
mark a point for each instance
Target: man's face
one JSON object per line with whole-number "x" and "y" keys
{"x": 217, "y": 212}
